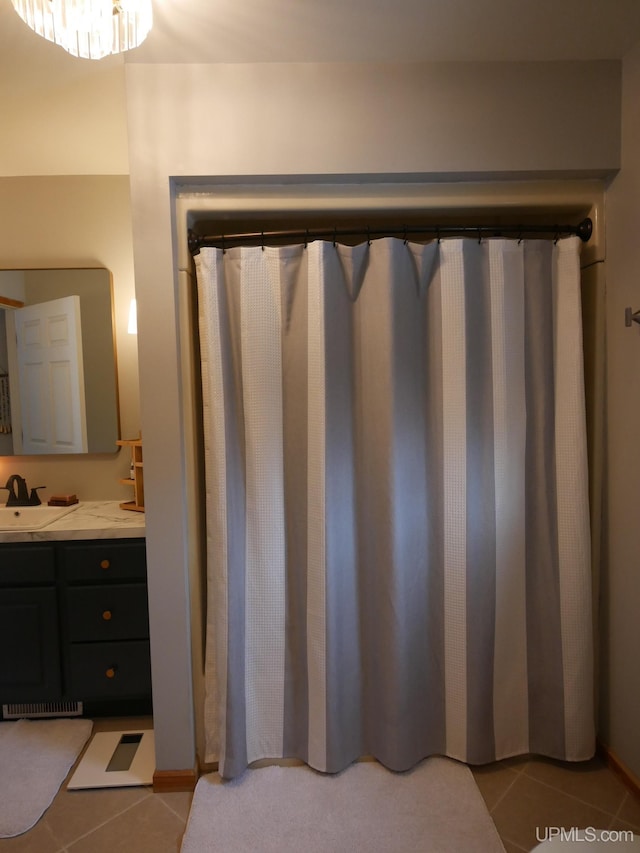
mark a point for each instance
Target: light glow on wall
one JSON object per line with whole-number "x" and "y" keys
{"x": 132, "y": 326}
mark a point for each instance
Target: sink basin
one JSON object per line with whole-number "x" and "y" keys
{"x": 31, "y": 517}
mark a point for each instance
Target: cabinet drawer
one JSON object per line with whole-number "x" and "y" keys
{"x": 113, "y": 612}
{"x": 104, "y": 560}
{"x": 109, "y": 670}
{"x": 21, "y": 565}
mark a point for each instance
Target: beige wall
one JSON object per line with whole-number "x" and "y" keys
{"x": 71, "y": 121}
{"x": 621, "y": 576}
{"x": 49, "y": 222}
{"x": 443, "y": 119}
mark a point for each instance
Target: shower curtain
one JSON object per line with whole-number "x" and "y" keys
{"x": 397, "y": 513}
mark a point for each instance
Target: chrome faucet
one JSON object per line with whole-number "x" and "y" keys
{"x": 19, "y": 493}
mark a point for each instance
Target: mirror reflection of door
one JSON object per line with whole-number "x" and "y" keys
{"x": 50, "y": 415}
{"x": 22, "y": 288}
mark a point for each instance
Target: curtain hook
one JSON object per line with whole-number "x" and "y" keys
{"x": 438, "y": 234}
{"x": 224, "y": 250}
{"x": 263, "y": 241}
{"x": 306, "y": 239}
{"x": 368, "y": 236}
{"x": 479, "y": 236}
{"x": 557, "y": 237}
{"x": 334, "y": 236}
{"x": 520, "y": 236}
{"x": 405, "y": 235}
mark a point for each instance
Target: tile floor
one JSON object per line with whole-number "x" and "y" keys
{"x": 526, "y": 795}
{"x": 521, "y": 795}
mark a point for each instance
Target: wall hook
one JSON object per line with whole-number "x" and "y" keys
{"x": 631, "y": 316}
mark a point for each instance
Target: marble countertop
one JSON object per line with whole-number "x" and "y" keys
{"x": 90, "y": 520}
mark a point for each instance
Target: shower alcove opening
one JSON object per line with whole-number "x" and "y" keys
{"x": 260, "y": 205}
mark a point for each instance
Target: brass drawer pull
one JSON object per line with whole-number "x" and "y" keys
{"x": 107, "y": 615}
{"x": 111, "y": 672}
{"x": 104, "y": 564}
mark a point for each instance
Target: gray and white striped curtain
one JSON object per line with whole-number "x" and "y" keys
{"x": 397, "y": 513}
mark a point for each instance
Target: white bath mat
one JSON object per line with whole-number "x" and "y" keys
{"x": 116, "y": 760}
{"x": 435, "y": 807}
{"x": 35, "y": 757}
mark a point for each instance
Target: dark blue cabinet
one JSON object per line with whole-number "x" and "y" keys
{"x": 74, "y": 625}
{"x": 29, "y": 645}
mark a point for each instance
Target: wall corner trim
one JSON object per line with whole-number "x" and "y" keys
{"x": 631, "y": 781}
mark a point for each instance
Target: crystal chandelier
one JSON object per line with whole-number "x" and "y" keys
{"x": 89, "y": 29}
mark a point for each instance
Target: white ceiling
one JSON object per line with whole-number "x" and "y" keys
{"x": 354, "y": 30}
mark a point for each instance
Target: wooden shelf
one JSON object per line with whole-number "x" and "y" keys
{"x": 131, "y": 505}
{"x": 137, "y": 481}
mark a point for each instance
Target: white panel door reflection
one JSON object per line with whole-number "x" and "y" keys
{"x": 51, "y": 377}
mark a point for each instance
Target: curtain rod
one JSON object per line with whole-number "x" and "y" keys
{"x": 225, "y": 241}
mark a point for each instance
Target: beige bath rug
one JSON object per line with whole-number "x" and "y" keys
{"x": 435, "y": 807}
{"x": 35, "y": 757}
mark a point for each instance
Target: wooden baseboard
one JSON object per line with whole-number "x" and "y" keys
{"x": 168, "y": 781}
{"x": 629, "y": 778}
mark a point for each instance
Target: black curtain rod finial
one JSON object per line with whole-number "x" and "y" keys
{"x": 585, "y": 230}
{"x": 193, "y": 242}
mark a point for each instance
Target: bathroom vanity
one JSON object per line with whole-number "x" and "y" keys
{"x": 74, "y": 624}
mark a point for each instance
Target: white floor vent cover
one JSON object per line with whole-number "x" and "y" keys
{"x": 116, "y": 760}
{"x": 41, "y": 710}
